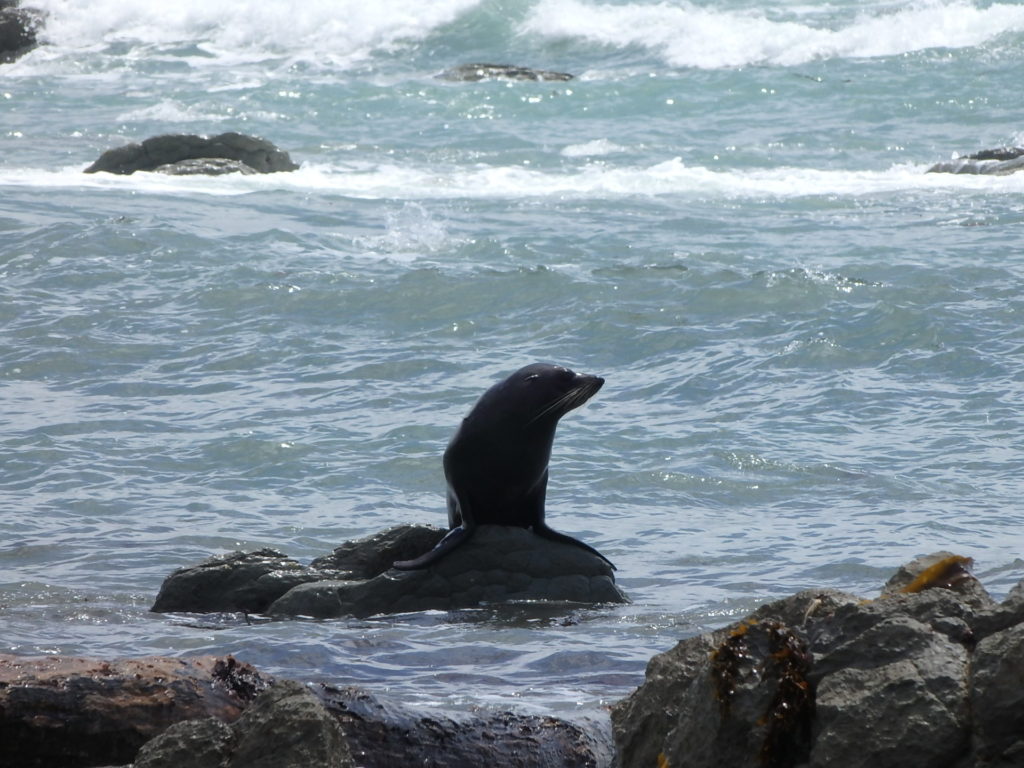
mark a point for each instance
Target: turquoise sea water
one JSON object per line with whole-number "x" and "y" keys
{"x": 813, "y": 350}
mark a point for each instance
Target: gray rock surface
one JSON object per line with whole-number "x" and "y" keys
{"x": 497, "y": 565}
{"x": 479, "y": 71}
{"x": 383, "y": 734}
{"x": 371, "y": 556}
{"x": 238, "y": 581}
{"x": 929, "y": 674}
{"x": 997, "y": 698}
{"x": 205, "y": 743}
{"x": 990, "y": 162}
{"x": 170, "y": 149}
{"x": 285, "y": 727}
{"x": 702, "y": 702}
{"x": 18, "y": 30}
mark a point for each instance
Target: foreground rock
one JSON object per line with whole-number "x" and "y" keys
{"x": 497, "y": 565}
{"x": 929, "y": 674}
{"x": 990, "y": 162}
{"x": 476, "y": 72}
{"x": 220, "y": 713}
{"x": 18, "y": 30}
{"x": 184, "y": 154}
{"x": 71, "y": 712}
{"x": 285, "y": 727}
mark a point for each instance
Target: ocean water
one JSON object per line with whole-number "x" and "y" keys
{"x": 814, "y": 351}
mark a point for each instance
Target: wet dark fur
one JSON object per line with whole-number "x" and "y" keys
{"x": 496, "y": 464}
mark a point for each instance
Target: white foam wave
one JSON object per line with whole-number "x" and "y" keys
{"x": 592, "y": 181}
{"x": 686, "y": 35}
{"x": 170, "y": 111}
{"x": 411, "y": 231}
{"x": 339, "y": 31}
{"x": 596, "y": 148}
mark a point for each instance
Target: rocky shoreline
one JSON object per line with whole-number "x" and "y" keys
{"x": 931, "y": 673}
{"x": 210, "y": 712}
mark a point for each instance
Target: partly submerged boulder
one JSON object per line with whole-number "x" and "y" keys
{"x": 928, "y": 674}
{"x": 237, "y": 581}
{"x": 990, "y": 162}
{"x": 475, "y": 72}
{"x": 167, "y": 154}
{"x": 18, "y": 30}
{"x": 499, "y": 564}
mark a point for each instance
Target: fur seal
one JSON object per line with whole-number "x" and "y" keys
{"x": 496, "y": 463}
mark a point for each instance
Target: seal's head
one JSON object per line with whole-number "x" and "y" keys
{"x": 536, "y": 395}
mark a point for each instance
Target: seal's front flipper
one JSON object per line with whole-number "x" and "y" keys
{"x": 452, "y": 539}
{"x": 542, "y": 530}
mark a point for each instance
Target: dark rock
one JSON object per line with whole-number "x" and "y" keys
{"x": 1000, "y": 153}
{"x": 18, "y": 30}
{"x": 237, "y": 581}
{"x": 217, "y": 713}
{"x": 384, "y": 734}
{"x": 189, "y": 744}
{"x": 990, "y": 162}
{"x": 826, "y": 679}
{"x": 894, "y": 695}
{"x": 285, "y": 727}
{"x": 475, "y": 72}
{"x": 1003, "y": 616}
{"x": 721, "y": 698}
{"x": 258, "y": 154}
{"x": 499, "y": 564}
{"x": 997, "y": 698}
{"x": 71, "y": 712}
{"x": 371, "y": 556}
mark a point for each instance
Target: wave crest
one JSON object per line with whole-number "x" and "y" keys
{"x": 686, "y": 35}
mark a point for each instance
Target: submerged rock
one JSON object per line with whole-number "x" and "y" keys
{"x": 476, "y": 72}
{"x": 990, "y": 162}
{"x": 498, "y": 564}
{"x": 18, "y": 30}
{"x": 923, "y": 675}
{"x": 167, "y": 153}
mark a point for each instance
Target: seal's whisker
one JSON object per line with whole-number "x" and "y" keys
{"x": 556, "y": 405}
